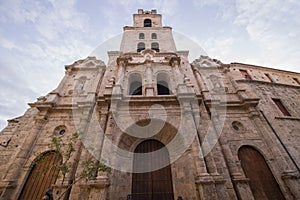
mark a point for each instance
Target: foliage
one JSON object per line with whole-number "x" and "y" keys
{"x": 65, "y": 147}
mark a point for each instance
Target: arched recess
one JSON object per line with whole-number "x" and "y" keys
{"x": 155, "y": 46}
{"x": 262, "y": 182}
{"x": 42, "y": 175}
{"x": 162, "y": 81}
{"x": 141, "y": 46}
{"x": 147, "y": 23}
{"x": 153, "y": 36}
{"x": 141, "y": 36}
{"x": 135, "y": 84}
{"x": 153, "y": 184}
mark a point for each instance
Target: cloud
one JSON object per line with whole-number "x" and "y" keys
{"x": 8, "y": 44}
{"x": 20, "y": 10}
{"x": 37, "y": 39}
{"x": 219, "y": 47}
{"x": 274, "y": 27}
{"x": 224, "y": 9}
{"x": 168, "y": 8}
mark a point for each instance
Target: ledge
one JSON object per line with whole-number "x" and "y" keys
{"x": 288, "y": 118}
{"x": 267, "y": 83}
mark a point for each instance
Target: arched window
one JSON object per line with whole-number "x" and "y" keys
{"x": 141, "y": 36}
{"x": 147, "y": 23}
{"x": 42, "y": 175}
{"x": 148, "y": 183}
{"x": 162, "y": 84}
{"x": 262, "y": 182}
{"x": 135, "y": 84}
{"x": 140, "y": 47}
{"x": 155, "y": 46}
{"x": 153, "y": 36}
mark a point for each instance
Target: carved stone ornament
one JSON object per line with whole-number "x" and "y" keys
{"x": 4, "y": 141}
{"x": 206, "y": 61}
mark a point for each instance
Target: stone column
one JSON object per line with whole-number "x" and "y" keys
{"x": 149, "y": 85}
{"x": 204, "y": 182}
{"x": 240, "y": 182}
{"x": 121, "y": 70}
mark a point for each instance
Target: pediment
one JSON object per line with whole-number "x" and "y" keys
{"x": 206, "y": 61}
{"x": 87, "y": 63}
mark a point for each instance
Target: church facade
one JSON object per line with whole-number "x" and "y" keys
{"x": 167, "y": 127}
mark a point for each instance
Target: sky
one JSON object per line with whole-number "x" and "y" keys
{"x": 39, "y": 37}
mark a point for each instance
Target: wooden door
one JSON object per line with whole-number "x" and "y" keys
{"x": 42, "y": 175}
{"x": 262, "y": 182}
{"x": 152, "y": 185}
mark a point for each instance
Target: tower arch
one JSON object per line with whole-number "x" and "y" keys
{"x": 147, "y": 23}
{"x": 135, "y": 84}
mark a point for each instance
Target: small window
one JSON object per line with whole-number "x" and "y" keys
{"x": 155, "y": 46}
{"x": 141, "y": 36}
{"x": 140, "y": 47}
{"x": 269, "y": 77}
{"x": 147, "y": 23}
{"x": 281, "y": 107}
{"x": 153, "y": 36}
{"x": 296, "y": 80}
{"x": 245, "y": 74}
{"x": 60, "y": 130}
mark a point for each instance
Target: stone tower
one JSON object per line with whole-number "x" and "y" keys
{"x": 167, "y": 127}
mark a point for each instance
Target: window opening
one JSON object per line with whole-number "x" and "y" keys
{"x": 297, "y": 81}
{"x": 140, "y": 47}
{"x": 281, "y": 107}
{"x": 147, "y": 23}
{"x": 141, "y": 36}
{"x": 245, "y": 74}
{"x": 153, "y": 36}
{"x": 155, "y": 46}
{"x": 269, "y": 77}
{"x": 135, "y": 88}
{"x": 162, "y": 88}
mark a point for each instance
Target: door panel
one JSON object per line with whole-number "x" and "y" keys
{"x": 262, "y": 182}
{"x": 153, "y": 185}
{"x": 41, "y": 177}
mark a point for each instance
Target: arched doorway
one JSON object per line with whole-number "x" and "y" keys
{"x": 153, "y": 185}
{"x": 42, "y": 175}
{"x": 262, "y": 182}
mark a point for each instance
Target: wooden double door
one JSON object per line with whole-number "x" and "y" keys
{"x": 262, "y": 182}
{"x": 42, "y": 175}
{"x": 152, "y": 185}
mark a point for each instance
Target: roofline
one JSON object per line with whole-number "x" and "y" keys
{"x": 267, "y": 68}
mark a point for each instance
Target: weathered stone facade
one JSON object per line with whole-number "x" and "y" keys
{"x": 212, "y": 109}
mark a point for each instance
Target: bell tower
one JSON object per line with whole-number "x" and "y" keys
{"x": 147, "y": 32}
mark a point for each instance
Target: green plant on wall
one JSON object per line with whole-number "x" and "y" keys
{"x": 65, "y": 147}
